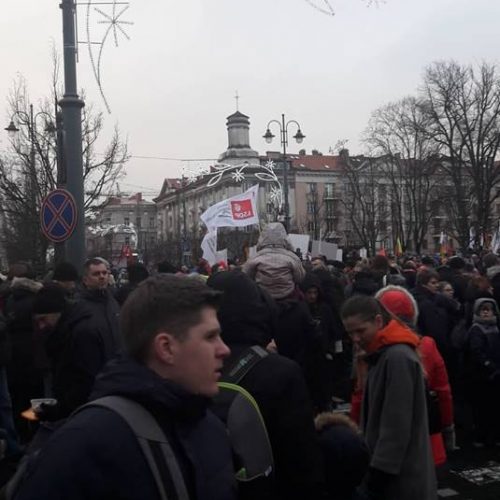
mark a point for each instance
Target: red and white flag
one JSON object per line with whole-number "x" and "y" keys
{"x": 237, "y": 211}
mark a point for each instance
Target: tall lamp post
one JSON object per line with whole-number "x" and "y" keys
{"x": 30, "y": 120}
{"x": 299, "y": 137}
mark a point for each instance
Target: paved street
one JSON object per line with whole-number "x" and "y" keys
{"x": 472, "y": 475}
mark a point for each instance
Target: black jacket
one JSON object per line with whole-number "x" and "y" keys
{"x": 276, "y": 383}
{"x": 87, "y": 337}
{"x": 95, "y": 456}
{"x": 437, "y": 316}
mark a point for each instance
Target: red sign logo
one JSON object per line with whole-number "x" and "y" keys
{"x": 242, "y": 209}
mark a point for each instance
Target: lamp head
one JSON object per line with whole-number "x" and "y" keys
{"x": 12, "y": 129}
{"x": 268, "y": 136}
{"x": 299, "y": 136}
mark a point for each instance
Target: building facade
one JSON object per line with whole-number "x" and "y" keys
{"x": 124, "y": 225}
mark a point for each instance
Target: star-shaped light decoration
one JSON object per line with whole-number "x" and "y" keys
{"x": 113, "y": 19}
{"x": 238, "y": 176}
{"x": 114, "y": 23}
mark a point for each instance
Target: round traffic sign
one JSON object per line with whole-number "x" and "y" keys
{"x": 58, "y": 215}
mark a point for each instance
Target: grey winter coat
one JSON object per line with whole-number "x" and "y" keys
{"x": 275, "y": 267}
{"x": 395, "y": 425}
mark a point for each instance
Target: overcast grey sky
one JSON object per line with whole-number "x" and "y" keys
{"x": 172, "y": 85}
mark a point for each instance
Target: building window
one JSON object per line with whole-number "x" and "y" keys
{"x": 330, "y": 226}
{"x": 127, "y": 240}
{"x": 138, "y": 222}
{"x": 107, "y": 220}
{"x": 151, "y": 222}
{"x": 312, "y": 187}
{"x": 330, "y": 209}
{"x": 329, "y": 190}
{"x": 126, "y": 221}
{"x": 310, "y": 226}
{"x": 311, "y": 207}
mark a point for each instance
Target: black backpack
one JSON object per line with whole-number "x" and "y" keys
{"x": 240, "y": 413}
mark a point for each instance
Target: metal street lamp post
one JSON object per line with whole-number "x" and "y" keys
{"x": 30, "y": 120}
{"x": 299, "y": 137}
{"x": 71, "y": 106}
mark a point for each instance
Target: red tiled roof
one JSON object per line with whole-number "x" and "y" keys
{"x": 317, "y": 163}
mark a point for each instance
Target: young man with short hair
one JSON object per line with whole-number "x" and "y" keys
{"x": 174, "y": 356}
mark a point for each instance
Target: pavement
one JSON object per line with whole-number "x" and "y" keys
{"x": 471, "y": 474}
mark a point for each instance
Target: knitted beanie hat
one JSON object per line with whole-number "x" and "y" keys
{"x": 399, "y": 302}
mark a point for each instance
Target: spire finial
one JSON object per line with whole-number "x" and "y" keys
{"x": 237, "y": 99}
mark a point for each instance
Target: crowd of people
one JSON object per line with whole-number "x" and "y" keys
{"x": 366, "y": 368}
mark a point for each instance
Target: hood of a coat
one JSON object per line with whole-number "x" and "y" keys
{"x": 26, "y": 285}
{"x": 312, "y": 280}
{"x": 128, "y": 378}
{"x": 393, "y": 333}
{"x": 245, "y": 314}
{"x": 486, "y": 300}
{"x": 274, "y": 235}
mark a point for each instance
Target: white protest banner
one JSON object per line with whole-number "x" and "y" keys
{"x": 209, "y": 247}
{"x": 340, "y": 254}
{"x": 299, "y": 241}
{"x": 363, "y": 253}
{"x": 237, "y": 211}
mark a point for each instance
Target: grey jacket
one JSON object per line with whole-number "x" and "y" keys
{"x": 275, "y": 267}
{"x": 395, "y": 425}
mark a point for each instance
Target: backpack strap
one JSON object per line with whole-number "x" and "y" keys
{"x": 245, "y": 362}
{"x": 152, "y": 440}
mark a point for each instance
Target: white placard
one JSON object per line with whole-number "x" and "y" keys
{"x": 329, "y": 250}
{"x": 299, "y": 241}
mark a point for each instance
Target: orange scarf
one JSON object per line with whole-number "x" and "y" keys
{"x": 393, "y": 333}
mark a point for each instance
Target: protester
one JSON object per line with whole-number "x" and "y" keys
{"x": 94, "y": 330}
{"x": 401, "y": 303}
{"x": 174, "y": 358}
{"x": 275, "y": 267}
{"x": 438, "y": 315}
{"x": 25, "y": 379}
{"x": 136, "y": 274}
{"x": 394, "y": 413}
{"x": 247, "y": 318}
{"x": 483, "y": 369}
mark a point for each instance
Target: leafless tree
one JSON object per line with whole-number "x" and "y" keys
{"x": 28, "y": 171}
{"x": 463, "y": 106}
{"x": 365, "y": 200}
{"x": 399, "y": 132}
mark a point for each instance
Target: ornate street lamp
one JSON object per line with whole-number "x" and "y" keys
{"x": 299, "y": 137}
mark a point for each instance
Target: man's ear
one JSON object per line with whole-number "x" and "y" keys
{"x": 163, "y": 347}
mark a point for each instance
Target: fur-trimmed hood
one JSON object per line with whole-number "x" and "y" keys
{"x": 328, "y": 419}
{"x": 26, "y": 284}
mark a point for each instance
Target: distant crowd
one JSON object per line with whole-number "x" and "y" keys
{"x": 363, "y": 373}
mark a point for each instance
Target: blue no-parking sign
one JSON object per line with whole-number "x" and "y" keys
{"x": 58, "y": 215}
